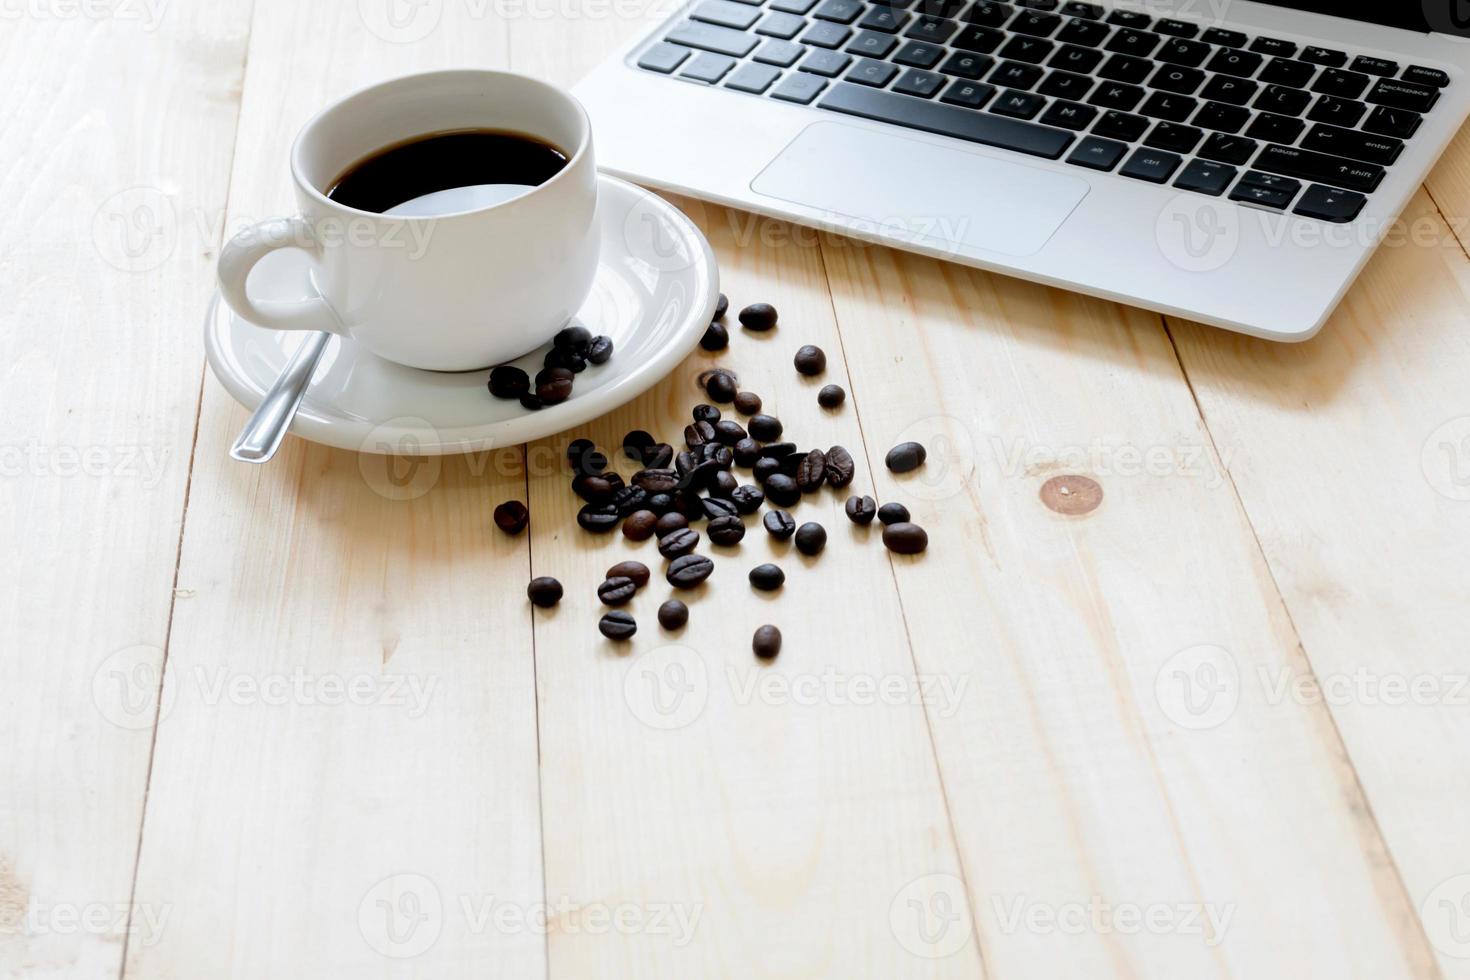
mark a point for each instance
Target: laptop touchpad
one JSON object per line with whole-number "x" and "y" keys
{"x": 920, "y": 192}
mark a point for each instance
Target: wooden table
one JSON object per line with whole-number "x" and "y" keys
{"x": 1215, "y": 727}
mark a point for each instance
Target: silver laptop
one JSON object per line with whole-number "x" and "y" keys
{"x": 1228, "y": 161}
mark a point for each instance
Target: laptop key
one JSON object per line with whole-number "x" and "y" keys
{"x": 1190, "y": 54}
{"x": 1154, "y": 166}
{"x": 1242, "y": 64}
{"x": 752, "y": 77}
{"x": 1275, "y": 129}
{"x": 1035, "y": 24}
{"x": 1020, "y": 105}
{"x": 1121, "y": 126}
{"x": 1069, "y": 115}
{"x": 1283, "y": 71}
{"x": 1266, "y": 197}
{"x": 989, "y": 13}
{"x": 1012, "y": 75}
{"x": 1343, "y": 84}
{"x": 1399, "y": 123}
{"x": 1110, "y": 96}
{"x": 1098, "y": 154}
{"x": 828, "y": 63}
{"x": 1233, "y": 91}
{"x": 1403, "y": 95}
{"x": 783, "y": 54}
{"x": 1376, "y": 66}
{"x": 1126, "y": 40}
{"x": 1173, "y": 78}
{"x": 793, "y": 6}
{"x": 1177, "y": 28}
{"x": 871, "y": 44}
{"x": 800, "y": 87}
{"x": 947, "y": 120}
{"x": 1224, "y": 148}
{"x": 1224, "y": 38}
{"x": 1126, "y": 68}
{"x": 1382, "y": 150}
{"x": 841, "y": 11}
{"x": 1174, "y": 137}
{"x": 967, "y": 65}
{"x": 1283, "y": 101}
{"x": 1083, "y": 33}
{"x": 881, "y": 18}
{"x": 825, "y": 34}
{"x": 663, "y": 57}
{"x": 1175, "y": 108}
{"x": 972, "y": 94}
{"x": 1330, "y": 204}
{"x": 1070, "y": 57}
{"x": 1206, "y": 177}
{"x": 1273, "y": 46}
{"x": 1223, "y": 118}
{"x": 870, "y": 72}
{"x": 1273, "y": 181}
{"x": 1065, "y": 85}
{"x": 1327, "y": 57}
{"x": 1432, "y": 77}
{"x": 1320, "y": 168}
{"x": 726, "y": 14}
{"x": 784, "y": 26}
{"x": 1130, "y": 18}
{"x": 935, "y": 30}
{"x": 1338, "y": 112}
{"x": 918, "y": 54}
{"x": 1028, "y": 49}
{"x": 979, "y": 39}
{"x": 1090, "y": 11}
{"x": 709, "y": 37}
{"x": 707, "y": 67}
{"x": 920, "y": 83}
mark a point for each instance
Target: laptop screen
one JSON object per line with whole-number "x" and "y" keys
{"x": 1445, "y": 16}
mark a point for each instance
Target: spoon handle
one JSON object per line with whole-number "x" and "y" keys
{"x": 262, "y": 435}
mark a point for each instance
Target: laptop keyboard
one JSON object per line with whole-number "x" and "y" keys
{"x": 1213, "y": 111}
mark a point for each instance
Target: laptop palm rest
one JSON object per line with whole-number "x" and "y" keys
{"x": 920, "y": 192}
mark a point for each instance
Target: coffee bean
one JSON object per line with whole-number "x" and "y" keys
{"x": 726, "y": 531}
{"x": 722, "y": 456}
{"x": 618, "y": 625}
{"x": 691, "y": 504}
{"x": 635, "y": 570}
{"x": 747, "y": 403}
{"x": 721, "y": 388}
{"x": 598, "y": 518}
{"x": 716, "y": 337}
{"x": 728, "y": 432}
{"x": 765, "y": 468}
{"x": 778, "y": 450}
{"x": 767, "y": 642}
{"x": 554, "y": 385}
{"x": 893, "y": 513}
{"x": 905, "y": 538}
{"x": 861, "y": 510}
{"x": 698, "y": 434}
{"x": 721, "y": 305}
{"x": 766, "y": 428}
{"x": 600, "y": 350}
{"x": 724, "y": 485}
{"x": 512, "y": 516}
{"x": 629, "y": 499}
{"x": 531, "y": 402}
{"x": 660, "y": 457}
{"x": 782, "y": 490}
{"x": 746, "y": 451}
{"x": 702, "y": 475}
{"x": 840, "y": 467}
{"x": 593, "y": 489}
{"x": 716, "y": 507}
{"x": 638, "y": 526}
{"x": 637, "y": 444}
{"x": 811, "y": 471}
{"x": 672, "y": 615}
{"x": 657, "y": 481}
{"x": 544, "y": 591}
{"x": 767, "y": 577}
{"x": 558, "y": 358}
{"x": 758, "y": 316}
{"x": 616, "y": 591}
{"x": 508, "y": 381}
{"x": 577, "y": 450}
{"x": 810, "y": 360}
{"x": 748, "y": 498}
{"x": 687, "y": 571}
{"x": 679, "y": 542}
{"x": 669, "y": 523}
{"x": 684, "y": 464}
{"x": 706, "y": 413}
{"x": 779, "y": 524}
{"x": 811, "y": 538}
{"x": 831, "y": 396}
{"x": 573, "y": 338}
{"x": 905, "y": 456}
{"x": 791, "y": 462}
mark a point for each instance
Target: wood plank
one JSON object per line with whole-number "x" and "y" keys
{"x": 304, "y": 831}
{"x": 103, "y": 267}
{"x": 1109, "y": 759}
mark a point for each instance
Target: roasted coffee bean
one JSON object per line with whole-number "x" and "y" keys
{"x": 905, "y": 538}
{"x": 600, "y": 350}
{"x": 687, "y": 571}
{"x": 767, "y": 577}
{"x": 703, "y": 475}
{"x": 721, "y": 305}
{"x": 512, "y": 516}
{"x": 594, "y": 462}
{"x": 729, "y": 432}
{"x": 660, "y": 503}
{"x": 618, "y": 625}
{"x": 657, "y": 481}
{"x": 747, "y": 451}
{"x": 758, "y": 316}
{"x": 554, "y": 385}
{"x": 767, "y": 642}
{"x": 811, "y": 538}
{"x": 716, "y": 507}
{"x": 716, "y": 337}
{"x": 637, "y": 444}
{"x": 905, "y": 456}
{"x": 531, "y": 402}
{"x": 779, "y": 524}
{"x": 698, "y": 434}
{"x": 722, "y": 456}
{"x": 593, "y": 489}
{"x": 765, "y": 468}
{"x": 720, "y": 388}
{"x": 575, "y": 337}
{"x": 660, "y": 457}
{"x": 706, "y": 413}
{"x": 726, "y": 530}
{"x": 598, "y": 518}
{"x": 766, "y": 428}
{"x": 791, "y": 462}
{"x": 831, "y": 396}
{"x": 544, "y": 591}
{"x": 811, "y": 471}
{"x": 508, "y": 381}
{"x": 707, "y": 451}
{"x": 669, "y": 523}
{"x": 747, "y": 403}
{"x": 577, "y": 450}
{"x": 724, "y": 484}
{"x": 861, "y": 510}
{"x": 616, "y": 591}
{"x": 684, "y": 464}
{"x": 840, "y": 467}
{"x": 679, "y": 542}
{"x": 782, "y": 490}
{"x": 672, "y": 615}
{"x": 629, "y": 499}
{"x": 748, "y": 498}
{"x": 691, "y": 504}
{"x": 557, "y": 358}
{"x": 638, "y": 526}
{"x": 635, "y": 570}
{"x": 893, "y": 513}
{"x": 810, "y": 360}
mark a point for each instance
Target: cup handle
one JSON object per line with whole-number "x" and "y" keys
{"x": 240, "y": 255}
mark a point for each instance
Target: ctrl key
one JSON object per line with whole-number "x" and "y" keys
{"x": 1330, "y": 204}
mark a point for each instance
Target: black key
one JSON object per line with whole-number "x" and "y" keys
{"x": 1091, "y": 11}
{"x": 841, "y": 11}
{"x": 1266, "y": 197}
{"x": 935, "y": 30}
{"x": 1393, "y": 122}
{"x": 937, "y": 9}
{"x": 1039, "y": 4}
{"x": 946, "y": 120}
{"x": 1065, "y": 85}
{"x": 1403, "y": 95}
{"x": 1125, "y": 68}
{"x": 886, "y": 19}
{"x": 1225, "y": 38}
{"x": 708, "y": 37}
{"x": 1376, "y": 66}
{"x": 967, "y": 65}
{"x": 782, "y": 53}
{"x": 981, "y": 39}
{"x": 1320, "y": 168}
{"x": 1154, "y": 166}
{"x": 1031, "y": 50}
{"x": 1282, "y": 71}
{"x": 871, "y": 44}
{"x": 1170, "y": 136}
{"x": 663, "y": 57}
{"x": 1173, "y": 78}
{"x": 1343, "y": 84}
{"x": 1086, "y": 33}
{"x": 1072, "y": 58}
{"x": 1283, "y": 101}
{"x": 1190, "y": 54}
{"x": 799, "y": 86}
{"x": 989, "y": 13}
{"x": 1242, "y": 64}
{"x": 1234, "y": 91}
{"x": 829, "y": 63}
{"x": 1175, "y": 108}
{"x": 919, "y": 54}
{"x": 1129, "y": 18}
{"x": 1273, "y": 46}
{"x": 1330, "y": 204}
{"x": 1069, "y": 115}
{"x": 1326, "y": 57}
{"x": 1275, "y": 129}
{"x": 707, "y": 67}
{"x": 826, "y": 35}
{"x": 751, "y": 77}
{"x": 1177, "y": 28}
{"x": 1206, "y": 177}
{"x": 870, "y": 72}
{"x": 920, "y": 83}
{"x": 1228, "y": 149}
{"x": 1036, "y": 25}
{"x": 1278, "y": 183}
{"x": 1224, "y": 118}
{"x": 1432, "y": 77}
{"x": 1338, "y": 112}
{"x": 784, "y": 26}
{"x": 1126, "y": 40}
{"x": 1012, "y": 75}
{"x": 1098, "y": 154}
{"x": 726, "y": 14}
{"x": 1120, "y": 126}
{"x": 1113, "y": 96}
{"x": 1382, "y": 150}
{"x": 1021, "y": 105}
{"x": 972, "y": 94}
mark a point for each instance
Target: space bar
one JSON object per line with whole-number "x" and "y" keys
{"x": 933, "y": 117}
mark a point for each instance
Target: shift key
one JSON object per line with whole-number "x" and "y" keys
{"x": 1320, "y": 168}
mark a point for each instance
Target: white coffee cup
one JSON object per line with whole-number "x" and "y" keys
{"x": 446, "y": 292}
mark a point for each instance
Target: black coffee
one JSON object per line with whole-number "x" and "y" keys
{"x": 463, "y": 169}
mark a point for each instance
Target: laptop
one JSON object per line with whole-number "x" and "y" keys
{"x": 1227, "y": 161}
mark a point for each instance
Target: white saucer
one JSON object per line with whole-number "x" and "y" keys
{"x": 654, "y": 295}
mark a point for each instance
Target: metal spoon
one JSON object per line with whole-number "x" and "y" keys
{"x": 262, "y": 435}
